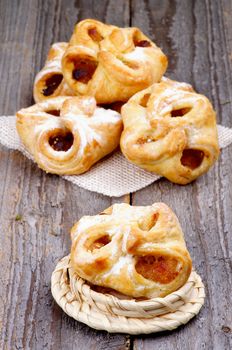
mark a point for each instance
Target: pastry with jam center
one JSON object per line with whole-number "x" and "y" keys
{"x": 137, "y": 251}
{"x": 170, "y": 130}
{"x": 67, "y": 135}
{"x": 49, "y": 82}
{"x": 111, "y": 63}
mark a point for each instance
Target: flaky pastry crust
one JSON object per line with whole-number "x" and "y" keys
{"x": 49, "y": 82}
{"x": 111, "y": 63}
{"x": 171, "y": 130}
{"x": 137, "y": 251}
{"x": 67, "y": 135}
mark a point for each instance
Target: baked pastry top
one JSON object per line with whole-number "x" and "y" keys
{"x": 49, "y": 82}
{"x": 111, "y": 63}
{"x": 171, "y": 130}
{"x": 137, "y": 251}
{"x": 67, "y": 135}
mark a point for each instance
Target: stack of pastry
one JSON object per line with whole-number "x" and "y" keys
{"x": 169, "y": 129}
{"x": 103, "y": 89}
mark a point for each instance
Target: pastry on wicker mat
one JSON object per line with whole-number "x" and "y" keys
{"x": 67, "y": 135}
{"x": 122, "y": 253}
{"x": 111, "y": 63}
{"x": 49, "y": 82}
{"x": 171, "y": 130}
{"x": 138, "y": 251}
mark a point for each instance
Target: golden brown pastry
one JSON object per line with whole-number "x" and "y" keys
{"x": 171, "y": 130}
{"x": 138, "y": 251}
{"x": 49, "y": 81}
{"x": 67, "y": 135}
{"x": 111, "y": 63}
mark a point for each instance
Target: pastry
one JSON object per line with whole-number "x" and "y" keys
{"x": 67, "y": 135}
{"x": 137, "y": 251}
{"x": 111, "y": 63}
{"x": 49, "y": 82}
{"x": 170, "y": 130}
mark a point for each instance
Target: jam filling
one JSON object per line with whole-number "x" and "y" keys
{"x": 61, "y": 142}
{"x": 180, "y": 112}
{"x": 144, "y": 100}
{"x": 55, "y": 112}
{"x": 192, "y": 158}
{"x": 158, "y": 268}
{"x": 52, "y": 84}
{"x": 95, "y": 35}
{"x": 100, "y": 242}
{"x": 142, "y": 43}
{"x": 84, "y": 70}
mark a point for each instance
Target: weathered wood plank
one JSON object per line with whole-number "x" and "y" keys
{"x": 38, "y": 210}
{"x": 195, "y": 36}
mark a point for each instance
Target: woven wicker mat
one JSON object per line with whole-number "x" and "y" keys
{"x": 113, "y": 314}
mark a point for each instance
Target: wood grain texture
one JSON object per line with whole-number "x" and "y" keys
{"x": 38, "y": 210}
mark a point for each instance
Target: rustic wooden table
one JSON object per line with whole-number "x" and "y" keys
{"x": 38, "y": 210}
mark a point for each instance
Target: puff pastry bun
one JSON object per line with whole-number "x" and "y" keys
{"x": 137, "y": 251}
{"x": 67, "y": 135}
{"x": 49, "y": 82}
{"x": 171, "y": 130}
{"x": 111, "y": 63}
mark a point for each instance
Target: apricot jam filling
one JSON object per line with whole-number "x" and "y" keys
{"x": 192, "y": 158}
{"x": 52, "y": 84}
{"x": 180, "y": 112}
{"x": 84, "y": 70}
{"x": 55, "y": 112}
{"x": 100, "y": 242}
{"x": 143, "y": 43}
{"x": 61, "y": 141}
{"x": 95, "y": 35}
{"x": 158, "y": 268}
